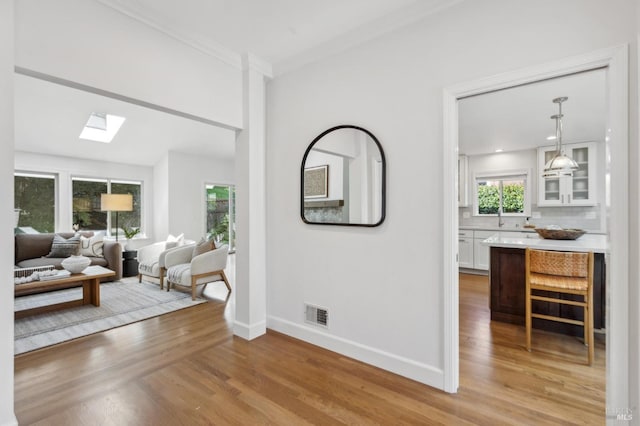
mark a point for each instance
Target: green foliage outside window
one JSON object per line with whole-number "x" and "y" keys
{"x": 86, "y": 204}
{"x": 218, "y": 213}
{"x": 513, "y": 198}
{"x": 489, "y": 197}
{"x": 35, "y": 197}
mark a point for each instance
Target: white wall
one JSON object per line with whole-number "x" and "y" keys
{"x": 87, "y": 42}
{"x": 161, "y": 198}
{"x": 6, "y": 213}
{"x": 188, "y": 175}
{"x": 634, "y": 231}
{"x": 384, "y": 286}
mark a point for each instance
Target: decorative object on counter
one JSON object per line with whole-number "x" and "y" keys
{"x": 353, "y": 155}
{"x": 76, "y": 264}
{"x": 560, "y": 164}
{"x": 527, "y": 224}
{"x": 560, "y": 234}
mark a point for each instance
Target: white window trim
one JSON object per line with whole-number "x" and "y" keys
{"x": 56, "y": 191}
{"x": 502, "y": 174}
{"x": 109, "y": 181}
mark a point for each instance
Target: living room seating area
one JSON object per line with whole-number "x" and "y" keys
{"x": 33, "y": 250}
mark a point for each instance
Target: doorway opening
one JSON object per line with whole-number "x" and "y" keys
{"x": 615, "y": 60}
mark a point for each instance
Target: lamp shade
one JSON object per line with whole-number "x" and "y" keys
{"x": 560, "y": 165}
{"x": 116, "y": 202}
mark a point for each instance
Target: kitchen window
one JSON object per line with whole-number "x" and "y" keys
{"x": 507, "y": 193}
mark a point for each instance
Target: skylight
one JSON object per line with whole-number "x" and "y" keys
{"x": 101, "y": 127}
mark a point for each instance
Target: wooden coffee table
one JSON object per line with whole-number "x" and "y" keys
{"x": 89, "y": 280}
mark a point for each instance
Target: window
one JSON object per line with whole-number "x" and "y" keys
{"x": 34, "y": 201}
{"x": 87, "y": 213}
{"x": 129, "y": 219}
{"x": 86, "y": 203}
{"x": 507, "y": 193}
{"x": 221, "y": 202}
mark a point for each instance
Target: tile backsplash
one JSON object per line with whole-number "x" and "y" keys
{"x": 589, "y": 218}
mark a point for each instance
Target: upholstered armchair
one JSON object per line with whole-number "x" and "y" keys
{"x": 187, "y": 268}
{"x": 151, "y": 260}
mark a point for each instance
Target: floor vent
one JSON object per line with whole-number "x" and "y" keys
{"x": 316, "y": 315}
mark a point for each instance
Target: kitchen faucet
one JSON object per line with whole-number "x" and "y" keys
{"x": 500, "y": 221}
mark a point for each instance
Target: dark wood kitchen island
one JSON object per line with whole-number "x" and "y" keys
{"x": 507, "y": 280}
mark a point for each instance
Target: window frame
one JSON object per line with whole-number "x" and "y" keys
{"x": 232, "y": 212}
{"x": 56, "y": 190}
{"x": 109, "y": 182}
{"x": 503, "y": 175}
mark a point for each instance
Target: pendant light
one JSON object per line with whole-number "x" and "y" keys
{"x": 560, "y": 165}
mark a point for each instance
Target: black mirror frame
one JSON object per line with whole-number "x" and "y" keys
{"x": 384, "y": 178}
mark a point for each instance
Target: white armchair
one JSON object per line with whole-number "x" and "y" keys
{"x": 184, "y": 270}
{"x": 151, "y": 260}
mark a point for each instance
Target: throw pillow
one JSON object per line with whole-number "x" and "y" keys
{"x": 92, "y": 246}
{"x": 179, "y": 239}
{"x": 203, "y": 246}
{"x": 62, "y": 247}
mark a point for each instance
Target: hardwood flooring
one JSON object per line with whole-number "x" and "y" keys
{"x": 186, "y": 368}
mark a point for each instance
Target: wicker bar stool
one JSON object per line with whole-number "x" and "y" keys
{"x": 565, "y": 273}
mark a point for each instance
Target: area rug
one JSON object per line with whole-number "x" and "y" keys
{"x": 121, "y": 302}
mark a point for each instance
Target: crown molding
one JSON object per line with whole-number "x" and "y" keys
{"x": 362, "y": 34}
{"x": 254, "y": 62}
{"x": 209, "y": 48}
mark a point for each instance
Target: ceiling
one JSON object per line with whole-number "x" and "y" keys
{"x": 49, "y": 118}
{"x": 286, "y": 33}
{"x": 280, "y": 32}
{"x": 519, "y": 118}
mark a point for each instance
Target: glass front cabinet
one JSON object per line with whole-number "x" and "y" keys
{"x": 579, "y": 190}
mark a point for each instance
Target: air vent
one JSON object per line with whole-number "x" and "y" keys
{"x": 316, "y": 315}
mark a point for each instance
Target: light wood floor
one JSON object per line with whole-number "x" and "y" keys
{"x": 186, "y": 368}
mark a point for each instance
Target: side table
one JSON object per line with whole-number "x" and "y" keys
{"x": 129, "y": 263}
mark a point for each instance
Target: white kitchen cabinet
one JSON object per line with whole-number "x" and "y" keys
{"x": 472, "y": 254}
{"x": 463, "y": 197}
{"x": 465, "y": 249}
{"x": 480, "y": 251}
{"x": 578, "y": 190}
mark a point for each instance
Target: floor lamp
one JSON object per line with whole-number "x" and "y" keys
{"x": 116, "y": 203}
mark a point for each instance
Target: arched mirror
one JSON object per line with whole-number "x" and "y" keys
{"x": 343, "y": 179}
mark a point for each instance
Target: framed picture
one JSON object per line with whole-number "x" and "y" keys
{"x": 316, "y": 182}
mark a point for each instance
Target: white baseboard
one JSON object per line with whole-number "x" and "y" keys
{"x": 249, "y": 332}
{"x": 11, "y": 422}
{"x": 411, "y": 369}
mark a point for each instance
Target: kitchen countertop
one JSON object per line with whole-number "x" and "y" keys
{"x": 489, "y": 228}
{"x": 588, "y": 242}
